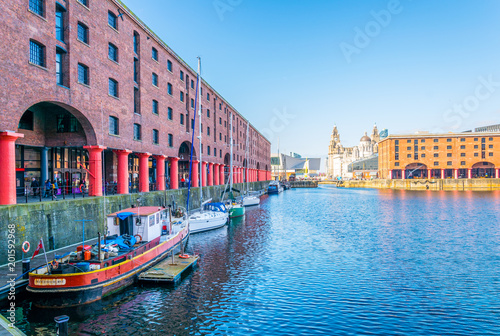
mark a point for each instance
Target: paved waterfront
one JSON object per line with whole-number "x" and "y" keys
{"x": 324, "y": 261}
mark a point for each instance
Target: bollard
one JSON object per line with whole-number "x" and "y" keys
{"x": 62, "y": 325}
{"x": 26, "y": 268}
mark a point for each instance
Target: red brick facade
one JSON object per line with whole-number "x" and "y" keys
{"x": 25, "y": 84}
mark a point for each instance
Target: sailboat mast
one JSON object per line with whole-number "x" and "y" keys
{"x": 247, "y": 144}
{"x": 200, "y": 170}
{"x": 231, "y": 153}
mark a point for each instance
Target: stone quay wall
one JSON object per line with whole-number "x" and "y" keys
{"x": 480, "y": 184}
{"x": 59, "y": 223}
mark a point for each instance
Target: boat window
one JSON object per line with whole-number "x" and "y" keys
{"x": 151, "y": 220}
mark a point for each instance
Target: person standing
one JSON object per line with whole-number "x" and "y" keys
{"x": 35, "y": 187}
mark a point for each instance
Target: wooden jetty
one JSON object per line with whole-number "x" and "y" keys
{"x": 170, "y": 270}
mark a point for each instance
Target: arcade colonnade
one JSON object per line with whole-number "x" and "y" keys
{"x": 213, "y": 173}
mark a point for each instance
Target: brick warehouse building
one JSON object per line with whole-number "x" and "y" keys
{"x": 85, "y": 81}
{"x": 447, "y": 155}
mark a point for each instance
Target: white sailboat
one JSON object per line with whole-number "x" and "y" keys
{"x": 211, "y": 215}
{"x": 249, "y": 200}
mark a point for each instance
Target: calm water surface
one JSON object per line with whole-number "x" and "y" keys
{"x": 324, "y": 261}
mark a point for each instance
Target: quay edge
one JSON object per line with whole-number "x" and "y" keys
{"x": 479, "y": 184}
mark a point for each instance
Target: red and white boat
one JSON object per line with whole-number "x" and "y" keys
{"x": 71, "y": 280}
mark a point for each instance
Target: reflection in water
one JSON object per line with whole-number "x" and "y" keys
{"x": 323, "y": 261}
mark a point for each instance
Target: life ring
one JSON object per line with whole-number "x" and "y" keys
{"x": 54, "y": 264}
{"x": 140, "y": 237}
{"x": 26, "y": 249}
{"x": 184, "y": 256}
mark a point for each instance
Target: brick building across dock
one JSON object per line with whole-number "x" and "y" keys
{"x": 447, "y": 155}
{"x": 86, "y": 82}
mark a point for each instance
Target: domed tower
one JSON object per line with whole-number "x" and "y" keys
{"x": 365, "y": 146}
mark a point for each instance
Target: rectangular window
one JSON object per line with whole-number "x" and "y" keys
{"x": 137, "y": 101}
{"x": 169, "y": 113}
{"x": 422, "y": 148}
{"x": 155, "y": 106}
{"x": 155, "y": 79}
{"x": 60, "y": 59}
{"x": 462, "y": 163}
{"x": 66, "y": 123}
{"x": 113, "y": 125}
{"x": 220, "y": 136}
{"x": 208, "y": 150}
{"x": 448, "y": 140}
{"x": 436, "y": 163}
{"x": 154, "y": 54}
{"x": 83, "y": 74}
{"x": 483, "y": 146}
{"x": 476, "y": 146}
{"x": 436, "y": 147}
{"x": 422, "y": 141}
{"x": 169, "y": 66}
{"x": 182, "y": 75}
{"x": 448, "y": 147}
{"x": 84, "y": 2}
{"x": 113, "y": 87}
{"x": 156, "y": 137}
{"x": 476, "y": 139}
{"x": 112, "y": 20}
{"x": 208, "y": 96}
{"x": 408, "y": 156}
{"x": 449, "y": 163}
{"x": 220, "y": 153}
{"x": 113, "y": 52}
{"x": 436, "y": 155}
{"x": 490, "y": 139}
{"x": 407, "y": 148}
{"x": 37, "y": 7}
{"x": 476, "y": 154}
{"x": 448, "y": 155}
{"x": 490, "y": 146}
{"x": 220, "y": 106}
{"x": 136, "y": 43}
{"x": 169, "y": 89}
{"x": 182, "y": 96}
{"x": 208, "y": 130}
{"x": 192, "y": 124}
{"x": 182, "y": 119}
{"x": 215, "y": 151}
{"x": 436, "y": 140}
{"x": 396, "y": 156}
{"x": 462, "y": 147}
{"x": 137, "y": 132}
{"x": 83, "y": 33}
{"x": 490, "y": 154}
{"x": 37, "y": 53}
{"x": 422, "y": 155}
{"x": 220, "y": 121}
{"x": 462, "y": 154}
{"x": 170, "y": 140}
{"x": 462, "y": 139}
{"x": 192, "y": 84}
{"x": 60, "y": 23}
{"x": 396, "y": 148}
{"x": 208, "y": 113}
{"x": 192, "y": 103}
{"x": 483, "y": 140}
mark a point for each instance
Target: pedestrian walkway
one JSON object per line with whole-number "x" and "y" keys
{"x": 39, "y": 260}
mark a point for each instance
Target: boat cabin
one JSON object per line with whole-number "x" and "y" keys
{"x": 145, "y": 223}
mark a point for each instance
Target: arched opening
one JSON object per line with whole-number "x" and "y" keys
{"x": 51, "y": 151}
{"x": 483, "y": 170}
{"x": 184, "y": 157}
{"x": 415, "y": 170}
{"x": 258, "y": 172}
{"x": 245, "y": 166}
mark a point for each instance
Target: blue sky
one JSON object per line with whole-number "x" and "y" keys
{"x": 295, "y": 68}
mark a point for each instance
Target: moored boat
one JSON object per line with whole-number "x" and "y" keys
{"x": 134, "y": 242}
{"x": 214, "y": 216}
{"x": 274, "y": 187}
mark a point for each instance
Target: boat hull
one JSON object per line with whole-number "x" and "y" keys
{"x": 203, "y": 224}
{"x": 52, "y": 291}
{"x": 237, "y": 211}
{"x": 251, "y": 201}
